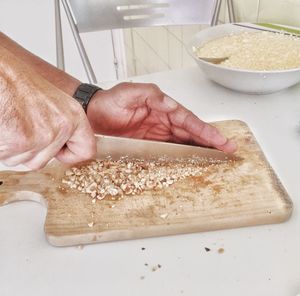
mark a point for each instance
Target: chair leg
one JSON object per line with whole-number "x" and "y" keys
{"x": 231, "y": 14}
{"x": 59, "y": 38}
{"x": 216, "y": 13}
{"x": 84, "y": 58}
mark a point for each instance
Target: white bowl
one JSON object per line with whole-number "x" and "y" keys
{"x": 246, "y": 81}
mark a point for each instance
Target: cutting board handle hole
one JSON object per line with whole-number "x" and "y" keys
{"x": 1, "y": 182}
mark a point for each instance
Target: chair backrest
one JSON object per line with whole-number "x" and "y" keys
{"x": 95, "y": 15}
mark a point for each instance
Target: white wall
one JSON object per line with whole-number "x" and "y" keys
{"x": 31, "y": 23}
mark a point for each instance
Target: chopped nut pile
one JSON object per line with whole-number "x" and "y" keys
{"x": 116, "y": 178}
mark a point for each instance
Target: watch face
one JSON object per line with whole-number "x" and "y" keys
{"x": 84, "y": 93}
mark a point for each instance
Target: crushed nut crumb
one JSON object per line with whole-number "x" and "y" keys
{"x": 164, "y": 216}
{"x": 154, "y": 268}
{"x": 221, "y": 251}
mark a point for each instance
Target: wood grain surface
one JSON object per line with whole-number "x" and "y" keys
{"x": 238, "y": 194}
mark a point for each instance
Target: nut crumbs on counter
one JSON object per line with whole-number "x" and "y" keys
{"x": 156, "y": 267}
{"x": 221, "y": 251}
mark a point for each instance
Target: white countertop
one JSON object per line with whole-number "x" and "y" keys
{"x": 262, "y": 260}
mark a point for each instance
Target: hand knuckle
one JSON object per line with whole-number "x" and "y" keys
{"x": 154, "y": 87}
{"x": 125, "y": 84}
{"x": 66, "y": 127}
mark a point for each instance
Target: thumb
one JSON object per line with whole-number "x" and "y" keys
{"x": 163, "y": 104}
{"x": 81, "y": 145}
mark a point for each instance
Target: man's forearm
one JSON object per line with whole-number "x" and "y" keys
{"x": 59, "y": 78}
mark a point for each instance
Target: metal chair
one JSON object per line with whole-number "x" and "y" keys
{"x": 96, "y": 15}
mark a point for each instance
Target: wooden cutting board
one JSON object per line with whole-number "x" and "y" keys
{"x": 227, "y": 196}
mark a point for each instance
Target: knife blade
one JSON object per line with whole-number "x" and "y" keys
{"x": 116, "y": 147}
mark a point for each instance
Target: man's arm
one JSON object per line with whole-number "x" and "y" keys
{"x": 55, "y": 76}
{"x": 37, "y": 120}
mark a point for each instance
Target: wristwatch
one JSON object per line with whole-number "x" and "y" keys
{"x": 84, "y": 93}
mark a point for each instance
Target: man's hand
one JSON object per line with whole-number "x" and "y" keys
{"x": 143, "y": 111}
{"x": 37, "y": 120}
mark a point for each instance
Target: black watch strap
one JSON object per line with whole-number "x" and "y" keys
{"x": 84, "y": 93}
